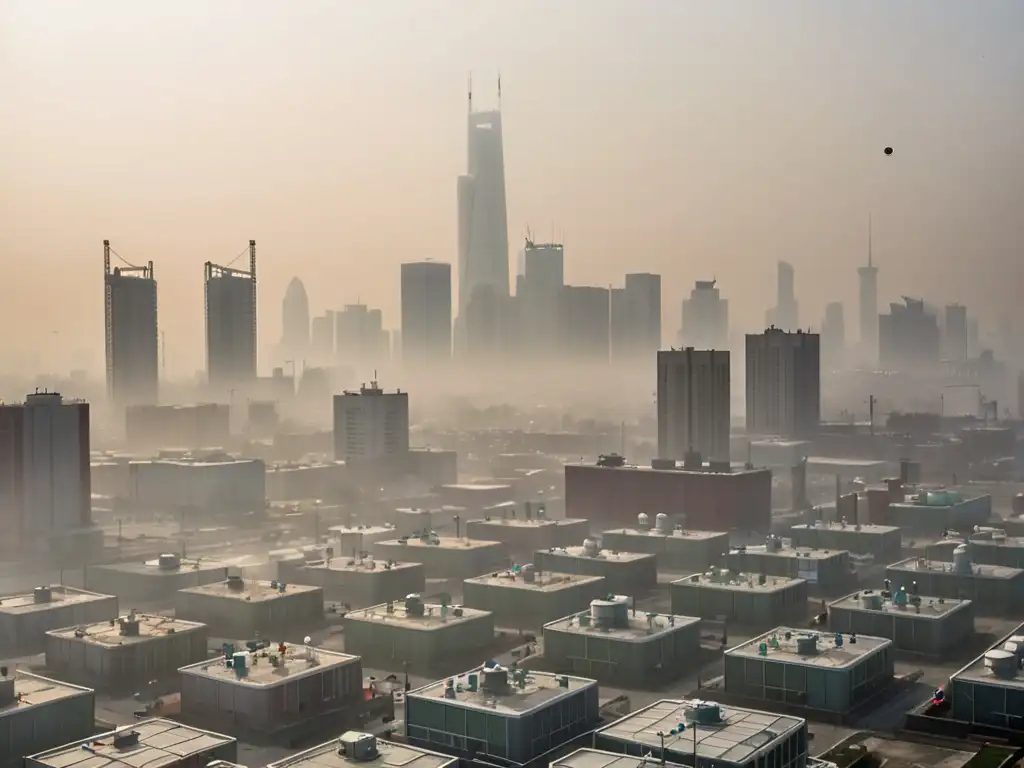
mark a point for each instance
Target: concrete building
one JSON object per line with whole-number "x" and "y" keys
{"x": 995, "y": 590}
{"x": 280, "y": 694}
{"x": 939, "y": 510}
{"x": 883, "y": 542}
{"x": 146, "y": 743}
{"x": 999, "y": 549}
{"x": 26, "y": 618}
{"x": 45, "y": 483}
{"x": 746, "y": 600}
{"x": 243, "y": 609}
{"x": 234, "y": 485}
{"x": 908, "y": 337}
{"x": 868, "y": 305}
{"x": 420, "y": 634}
{"x": 833, "y": 337}
{"x": 359, "y": 336}
{"x": 371, "y": 424}
{"x": 825, "y": 673}
{"x": 595, "y": 758}
{"x": 674, "y": 549}
{"x": 352, "y": 540}
{"x": 585, "y": 323}
{"x": 730, "y": 737}
{"x": 611, "y": 645}
{"x": 426, "y": 312}
{"x": 990, "y": 690}
{"x": 354, "y": 749}
{"x": 502, "y": 714}
{"x": 705, "y": 318}
{"x": 642, "y": 293}
{"x": 529, "y": 599}
{"x": 295, "y": 342}
{"x": 783, "y": 383}
{"x": 37, "y": 713}
{"x": 153, "y": 580}
{"x": 826, "y": 571}
{"x": 154, "y": 427}
{"x": 611, "y": 495}
{"x": 928, "y": 626}
{"x": 954, "y": 333}
{"x": 521, "y": 536}
{"x": 124, "y": 652}
{"x": 361, "y": 582}
{"x": 445, "y": 557}
{"x": 133, "y": 361}
{"x": 231, "y": 348}
{"x": 786, "y": 312}
{"x": 627, "y": 573}
{"x": 693, "y": 404}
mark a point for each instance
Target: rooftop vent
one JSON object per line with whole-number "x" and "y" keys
{"x": 126, "y": 738}
{"x": 704, "y": 713}
{"x": 663, "y": 464}
{"x": 42, "y": 594}
{"x": 169, "y": 562}
{"x": 414, "y": 605}
{"x": 1002, "y": 664}
{"x": 613, "y": 611}
{"x": 6, "y": 689}
{"x": 495, "y": 679}
{"x": 235, "y": 583}
{"x": 591, "y": 548}
{"x": 611, "y": 460}
{"x": 643, "y": 522}
{"x": 358, "y": 746}
{"x": 807, "y": 645}
{"x": 129, "y": 624}
{"x": 661, "y": 524}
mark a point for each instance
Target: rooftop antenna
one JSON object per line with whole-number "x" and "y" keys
{"x": 469, "y": 90}
{"x": 870, "y": 256}
{"x": 499, "y": 91}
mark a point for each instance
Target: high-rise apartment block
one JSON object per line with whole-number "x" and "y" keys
{"x": 783, "y": 383}
{"x": 833, "y": 336}
{"x": 636, "y": 317}
{"x": 426, "y": 312}
{"x": 231, "y": 325}
{"x": 954, "y": 337}
{"x": 295, "y": 321}
{"x": 133, "y": 361}
{"x": 868, "y": 305}
{"x": 539, "y": 292}
{"x": 45, "y": 481}
{"x": 908, "y": 337}
{"x": 786, "y": 312}
{"x": 371, "y": 424}
{"x": 585, "y": 323}
{"x": 693, "y": 404}
{"x": 705, "y": 318}
{"x": 359, "y": 335}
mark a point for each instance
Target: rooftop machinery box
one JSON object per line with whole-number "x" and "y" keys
{"x": 364, "y": 750}
{"x": 676, "y": 549}
{"x": 625, "y": 573}
{"x": 26, "y": 618}
{"x": 525, "y": 598}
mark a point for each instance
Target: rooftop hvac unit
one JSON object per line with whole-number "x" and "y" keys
{"x": 358, "y": 746}
{"x": 169, "y": 562}
{"x": 42, "y": 595}
{"x": 663, "y": 464}
{"x": 611, "y": 460}
{"x": 1002, "y": 664}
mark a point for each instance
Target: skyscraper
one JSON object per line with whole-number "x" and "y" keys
{"x": 295, "y": 321}
{"x": 585, "y": 323}
{"x": 693, "y": 404}
{"x": 539, "y": 292}
{"x": 426, "y": 312}
{"x": 868, "y": 305}
{"x": 833, "y": 336}
{"x": 483, "y": 219}
{"x": 643, "y": 310}
{"x": 133, "y": 360}
{"x": 786, "y": 313}
{"x": 954, "y": 337}
{"x": 705, "y": 318}
{"x": 783, "y": 383}
{"x": 360, "y": 337}
{"x": 371, "y": 424}
{"x": 908, "y": 337}
{"x": 231, "y": 325}
{"x": 322, "y": 338}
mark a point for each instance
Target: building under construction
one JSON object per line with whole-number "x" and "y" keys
{"x": 231, "y": 324}
{"x": 133, "y": 360}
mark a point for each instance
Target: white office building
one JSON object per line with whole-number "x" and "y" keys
{"x": 371, "y": 423}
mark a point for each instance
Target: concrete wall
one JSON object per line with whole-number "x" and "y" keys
{"x": 673, "y": 551}
{"x": 885, "y": 547}
{"x": 991, "y": 597}
{"x": 445, "y": 562}
{"x": 362, "y": 588}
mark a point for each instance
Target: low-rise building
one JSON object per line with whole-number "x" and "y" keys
{"x": 741, "y": 599}
{"x": 25, "y": 618}
{"x": 504, "y": 714}
{"x": 614, "y": 646}
{"x": 828, "y": 673}
{"x": 147, "y": 743}
{"x": 676, "y": 549}
{"x": 122, "y": 653}
{"x": 929, "y": 626}
{"x": 826, "y": 571}
{"x": 624, "y": 573}
{"x": 729, "y": 737}
{"x": 417, "y": 633}
{"x": 990, "y": 690}
{"x": 883, "y": 542}
{"x": 994, "y": 590}
{"x": 364, "y": 581}
{"x": 445, "y": 557}
{"x": 242, "y": 609}
{"x": 354, "y": 750}
{"x": 523, "y": 536}
{"x": 153, "y": 580}
{"x": 352, "y": 542}
{"x": 37, "y": 713}
{"x": 527, "y": 598}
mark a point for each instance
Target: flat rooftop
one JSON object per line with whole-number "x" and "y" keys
{"x": 737, "y": 469}
{"x": 931, "y": 607}
{"x": 976, "y": 672}
{"x": 1008, "y": 541}
{"x": 640, "y": 627}
{"x": 829, "y": 655}
{"x": 674, "y": 534}
{"x": 368, "y": 565}
{"x": 544, "y": 581}
{"x": 476, "y": 486}
{"x": 738, "y": 581}
{"x": 741, "y": 734}
{"x": 595, "y": 758}
{"x": 152, "y": 567}
{"x": 518, "y": 522}
{"x": 978, "y": 571}
{"x": 431, "y": 618}
{"x": 151, "y": 627}
{"x": 443, "y": 542}
{"x": 33, "y": 691}
{"x": 161, "y": 742}
{"x": 605, "y": 555}
{"x": 252, "y": 591}
{"x": 804, "y": 553}
{"x": 389, "y": 755}
{"x": 365, "y": 530}
{"x": 835, "y": 461}
{"x": 298, "y": 662}
{"x": 840, "y": 528}
{"x": 542, "y": 688}
{"x": 59, "y": 596}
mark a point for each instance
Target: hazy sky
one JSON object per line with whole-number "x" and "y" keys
{"x": 694, "y": 138}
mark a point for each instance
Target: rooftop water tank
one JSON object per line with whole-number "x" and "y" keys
{"x": 643, "y": 522}
{"x": 611, "y": 612}
{"x": 962, "y": 559}
{"x": 42, "y": 595}
{"x": 591, "y": 548}
{"x": 1001, "y": 663}
{"x": 661, "y": 523}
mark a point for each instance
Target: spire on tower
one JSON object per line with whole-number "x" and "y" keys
{"x": 870, "y": 257}
{"x": 470, "y": 92}
{"x": 499, "y": 91}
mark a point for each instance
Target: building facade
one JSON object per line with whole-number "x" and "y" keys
{"x": 426, "y": 312}
{"x": 693, "y": 404}
{"x": 783, "y": 383}
{"x": 231, "y": 325}
{"x": 705, "y": 318}
{"x": 133, "y": 361}
{"x": 371, "y": 424}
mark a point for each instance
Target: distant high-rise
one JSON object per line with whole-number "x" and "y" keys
{"x": 371, "y": 424}
{"x": 322, "y": 338}
{"x": 295, "y": 321}
{"x": 783, "y": 383}
{"x": 585, "y": 323}
{"x": 954, "y": 337}
{"x": 908, "y": 337}
{"x": 868, "y": 304}
{"x": 45, "y": 485}
{"x": 786, "y": 312}
{"x": 359, "y": 336}
{"x": 133, "y": 359}
{"x": 426, "y": 312}
{"x": 231, "y": 324}
{"x": 693, "y": 404}
{"x": 539, "y": 292}
{"x": 833, "y": 336}
{"x": 705, "y": 318}
{"x": 483, "y": 218}
{"x": 643, "y": 312}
